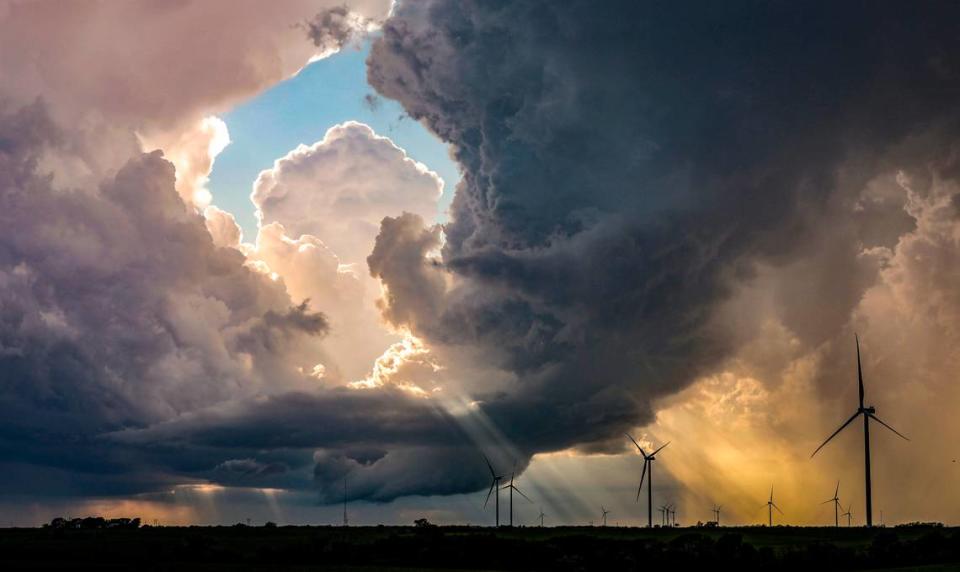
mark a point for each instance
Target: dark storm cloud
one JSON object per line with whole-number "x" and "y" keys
{"x": 625, "y": 164}
{"x": 385, "y": 442}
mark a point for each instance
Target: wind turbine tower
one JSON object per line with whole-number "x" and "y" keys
{"x": 604, "y": 516}
{"x": 848, "y": 515}
{"x": 770, "y": 506}
{"x": 647, "y": 468}
{"x": 836, "y": 505}
{"x": 494, "y": 486}
{"x": 512, "y": 487}
{"x": 868, "y": 413}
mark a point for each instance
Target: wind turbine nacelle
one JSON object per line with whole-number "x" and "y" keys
{"x": 870, "y": 410}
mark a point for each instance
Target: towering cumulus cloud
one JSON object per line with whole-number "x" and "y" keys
{"x": 630, "y": 169}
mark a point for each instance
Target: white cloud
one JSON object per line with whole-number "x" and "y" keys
{"x": 340, "y": 188}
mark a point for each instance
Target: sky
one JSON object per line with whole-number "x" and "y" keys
{"x": 258, "y": 253}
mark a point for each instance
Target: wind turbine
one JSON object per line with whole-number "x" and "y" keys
{"x": 716, "y": 512}
{"x": 673, "y": 515}
{"x": 770, "y": 506}
{"x": 647, "y": 468}
{"x": 494, "y": 485}
{"x": 345, "y": 521}
{"x": 541, "y": 517}
{"x": 847, "y": 514}
{"x": 605, "y": 513}
{"x": 663, "y": 515}
{"x": 868, "y": 414}
{"x": 836, "y": 505}
{"x": 512, "y": 488}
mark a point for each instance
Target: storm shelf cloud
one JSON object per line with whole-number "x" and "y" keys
{"x": 654, "y": 199}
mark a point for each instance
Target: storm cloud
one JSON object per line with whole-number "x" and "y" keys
{"x": 669, "y": 209}
{"x": 628, "y": 168}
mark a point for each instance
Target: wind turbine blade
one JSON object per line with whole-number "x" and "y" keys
{"x": 489, "y": 466}
{"x": 877, "y": 419}
{"x": 859, "y": 370}
{"x": 778, "y": 508}
{"x": 490, "y": 492}
{"x": 642, "y": 476}
{"x": 635, "y": 443}
{"x": 836, "y": 492}
{"x": 519, "y": 492}
{"x": 842, "y": 427}
{"x": 826, "y": 501}
{"x": 660, "y": 449}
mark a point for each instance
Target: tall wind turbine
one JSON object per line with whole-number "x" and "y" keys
{"x": 605, "y": 513}
{"x": 868, "y": 414}
{"x": 541, "y": 517}
{"x": 848, "y": 515}
{"x": 663, "y": 515}
{"x": 512, "y": 488}
{"x": 836, "y": 505}
{"x": 770, "y": 506}
{"x": 345, "y": 521}
{"x": 494, "y": 485}
{"x": 647, "y": 468}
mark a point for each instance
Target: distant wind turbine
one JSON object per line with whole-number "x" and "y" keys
{"x": 770, "y": 506}
{"x": 647, "y": 468}
{"x": 663, "y": 515}
{"x": 716, "y": 512}
{"x": 848, "y": 515}
{"x": 345, "y": 521}
{"x": 868, "y": 414}
{"x": 836, "y": 505}
{"x": 494, "y": 486}
{"x": 512, "y": 487}
{"x": 605, "y": 513}
{"x": 541, "y": 517}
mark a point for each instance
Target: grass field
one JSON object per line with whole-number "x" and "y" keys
{"x": 399, "y": 549}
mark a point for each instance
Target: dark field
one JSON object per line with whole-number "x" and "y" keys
{"x": 461, "y": 548}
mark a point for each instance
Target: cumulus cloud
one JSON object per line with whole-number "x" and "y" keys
{"x": 341, "y": 187}
{"x": 319, "y": 208}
